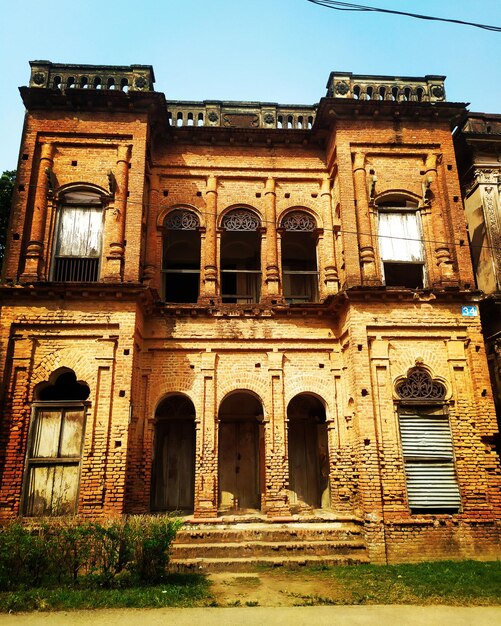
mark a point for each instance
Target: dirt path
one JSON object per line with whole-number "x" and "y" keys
{"x": 266, "y": 616}
{"x": 271, "y": 589}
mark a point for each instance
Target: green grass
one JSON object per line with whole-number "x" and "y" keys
{"x": 438, "y": 582}
{"x": 179, "y": 590}
{"x": 460, "y": 583}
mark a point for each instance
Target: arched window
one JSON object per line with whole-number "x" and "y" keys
{"x": 401, "y": 244}
{"x": 78, "y": 241}
{"x": 181, "y": 256}
{"x": 55, "y": 447}
{"x": 427, "y": 445}
{"x": 299, "y": 257}
{"x": 240, "y": 257}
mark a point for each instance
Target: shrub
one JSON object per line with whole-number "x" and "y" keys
{"x": 72, "y": 552}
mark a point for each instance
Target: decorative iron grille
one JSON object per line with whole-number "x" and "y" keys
{"x": 419, "y": 385}
{"x": 181, "y": 220}
{"x": 240, "y": 220}
{"x": 299, "y": 221}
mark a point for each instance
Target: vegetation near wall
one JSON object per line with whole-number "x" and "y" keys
{"x": 72, "y": 552}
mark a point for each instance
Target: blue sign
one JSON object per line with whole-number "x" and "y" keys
{"x": 469, "y": 311}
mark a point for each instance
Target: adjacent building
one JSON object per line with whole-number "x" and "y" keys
{"x": 247, "y": 311}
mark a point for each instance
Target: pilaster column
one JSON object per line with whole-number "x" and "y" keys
{"x": 330, "y": 277}
{"x": 365, "y": 238}
{"x": 208, "y": 287}
{"x": 116, "y": 218}
{"x": 151, "y": 252}
{"x": 33, "y": 267}
{"x": 272, "y": 276}
{"x": 442, "y": 251}
{"x": 275, "y": 499}
{"x": 206, "y": 463}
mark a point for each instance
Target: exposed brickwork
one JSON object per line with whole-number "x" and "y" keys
{"x": 348, "y": 350}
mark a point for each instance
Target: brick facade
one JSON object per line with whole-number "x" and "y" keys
{"x": 254, "y": 370}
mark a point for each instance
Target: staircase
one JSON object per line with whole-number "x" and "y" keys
{"x": 244, "y": 546}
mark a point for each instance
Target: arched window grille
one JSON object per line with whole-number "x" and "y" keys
{"x": 427, "y": 444}
{"x": 55, "y": 447}
{"x": 240, "y": 257}
{"x": 78, "y": 240}
{"x": 299, "y": 257}
{"x": 181, "y": 256}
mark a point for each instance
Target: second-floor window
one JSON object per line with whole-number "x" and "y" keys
{"x": 240, "y": 257}
{"x": 401, "y": 245}
{"x": 79, "y": 233}
{"x": 181, "y": 256}
{"x": 299, "y": 257}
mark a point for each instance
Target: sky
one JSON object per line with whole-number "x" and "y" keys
{"x": 265, "y": 50}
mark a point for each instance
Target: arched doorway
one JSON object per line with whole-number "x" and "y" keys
{"x": 173, "y": 476}
{"x": 240, "y": 450}
{"x": 308, "y": 453}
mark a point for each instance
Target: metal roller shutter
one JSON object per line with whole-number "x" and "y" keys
{"x": 429, "y": 462}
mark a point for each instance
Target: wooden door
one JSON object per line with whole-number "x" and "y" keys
{"x": 239, "y": 465}
{"x": 174, "y": 479}
{"x": 304, "y": 474}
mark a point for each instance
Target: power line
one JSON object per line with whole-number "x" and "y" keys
{"x": 452, "y": 244}
{"x": 348, "y": 6}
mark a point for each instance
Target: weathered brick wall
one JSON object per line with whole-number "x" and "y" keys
{"x": 348, "y": 352}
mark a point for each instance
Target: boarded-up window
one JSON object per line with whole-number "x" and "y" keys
{"x": 429, "y": 461}
{"x": 54, "y": 460}
{"x": 78, "y": 239}
{"x": 401, "y": 248}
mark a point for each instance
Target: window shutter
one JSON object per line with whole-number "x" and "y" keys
{"x": 429, "y": 462}
{"x": 400, "y": 236}
{"x": 79, "y": 232}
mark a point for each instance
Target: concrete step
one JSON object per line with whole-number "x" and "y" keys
{"x": 256, "y": 549}
{"x": 268, "y": 532}
{"x": 243, "y": 564}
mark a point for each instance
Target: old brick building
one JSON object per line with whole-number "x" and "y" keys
{"x": 247, "y": 311}
{"x": 478, "y": 147}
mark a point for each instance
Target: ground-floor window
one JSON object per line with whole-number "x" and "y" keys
{"x": 55, "y": 448}
{"x": 427, "y": 445}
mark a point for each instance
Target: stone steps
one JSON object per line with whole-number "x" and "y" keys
{"x": 243, "y": 564}
{"x": 240, "y": 546}
{"x": 254, "y": 549}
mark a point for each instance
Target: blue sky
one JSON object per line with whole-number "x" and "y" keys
{"x": 272, "y": 50}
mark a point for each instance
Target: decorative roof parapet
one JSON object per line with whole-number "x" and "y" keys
{"x": 428, "y": 88}
{"x": 47, "y": 75}
{"x": 215, "y": 113}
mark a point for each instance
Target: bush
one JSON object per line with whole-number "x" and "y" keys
{"x": 72, "y": 552}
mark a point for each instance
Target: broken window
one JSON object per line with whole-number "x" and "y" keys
{"x": 401, "y": 245}
{"x": 181, "y": 256}
{"x": 55, "y": 448}
{"x": 427, "y": 445}
{"x": 299, "y": 257}
{"x": 240, "y": 257}
{"x": 79, "y": 232}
